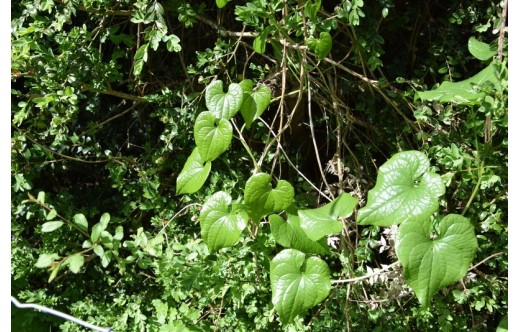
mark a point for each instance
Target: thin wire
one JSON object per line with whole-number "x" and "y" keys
{"x": 59, "y": 314}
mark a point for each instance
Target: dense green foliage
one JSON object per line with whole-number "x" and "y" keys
{"x": 181, "y": 165}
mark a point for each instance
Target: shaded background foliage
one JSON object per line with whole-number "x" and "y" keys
{"x": 103, "y": 123}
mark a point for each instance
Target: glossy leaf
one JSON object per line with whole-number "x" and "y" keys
{"x": 255, "y": 102}
{"x": 50, "y": 226}
{"x": 261, "y": 199}
{"x": 223, "y": 104}
{"x": 322, "y": 46}
{"x": 289, "y": 234}
{"x": 481, "y": 51}
{"x": 322, "y": 221}
{"x": 221, "y": 226}
{"x": 462, "y": 92}
{"x": 193, "y": 174}
{"x": 404, "y": 190}
{"x": 297, "y": 283}
{"x": 212, "y": 136}
{"x": 434, "y": 258}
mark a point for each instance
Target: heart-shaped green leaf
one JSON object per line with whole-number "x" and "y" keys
{"x": 261, "y": 199}
{"x": 322, "y": 46}
{"x": 212, "y": 136}
{"x": 462, "y": 92}
{"x": 193, "y": 175}
{"x": 433, "y": 259}
{"x": 260, "y": 42}
{"x": 404, "y": 190}
{"x": 317, "y": 223}
{"x": 223, "y": 104}
{"x": 221, "y": 227}
{"x": 481, "y": 51}
{"x": 255, "y": 102}
{"x": 297, "y": 283}
{"x": 290, "y": 235}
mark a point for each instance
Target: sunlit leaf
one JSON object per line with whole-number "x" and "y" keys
{"x": 261, "y": 199}
{"x": 297, "y": 283}
{"x": 435, "y": 257}
{"x": 223, "y": 104}
{"x": 212, "y": 136}
{"x": 193, "y": 174}
{"x": 404, "y": 190}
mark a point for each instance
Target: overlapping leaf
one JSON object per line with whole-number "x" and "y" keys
{"x": 321, "y": 46}
{"x": 481, "y": 51}
{"x": 223, "y": 105}
{"x": 221, "y": 227}
{"x": 212, "y": 136}
{"x": 433, "y": 259}
{"x": 404, "y": 190}
{"x": 289, "y": 234}
{"x": 317, "y": 223}
{"x": 462, "y": 92}
{"x": 297, "y": 283}
{"x": 261, "y": 199}
{"x": 193, "y": 174}
{"x": 255, "y": 102}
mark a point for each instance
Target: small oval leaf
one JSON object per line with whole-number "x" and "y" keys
{"x": 51, "y": 226}
{"x": 81, "y": 221}
{"x": 75, "y": 262}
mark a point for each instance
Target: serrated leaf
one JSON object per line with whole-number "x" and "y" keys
{"x": 297, "y": 283}
{"x": 193, "y": 174}
{"x": 462, "y": 92}
{"x": 221, "y": 227}
{"x": 322, "y": 221}
{"x": 403, "y": 190}
{"x": 46, "y": 260}
{"x": 290, "y": 235}
{"x": 261, "y": 199}
{"x": 255, "y": 102}
{"x": 52, "y": 214}
{"x": 224, "y": 105}
{"x": 433, "y": 259}
{"x": 50, "y": 226}
{"x": 481, "y": 51}
{"x": 322, "y": 46}
{"x": 81, "y": 221}
{"x": 212, "y": 136}
{"x": 75, "y": 262}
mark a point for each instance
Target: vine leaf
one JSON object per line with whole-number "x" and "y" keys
{"x": 317, "y": 223}
{"x": 321, "y": 46}
{"x": 212, "y": 136}
{"x": 193, "y": 174}
{"x": 433, "y": 259}
{"x": 223, "y": 105}
{"x": 221, "y": 227}
{"x": 462, "y": 92}
{"x": 255, "y": 102}
{"x": 289, "y": 234}
{"x": 481, "y": 51}
{"x": 260, "y": 42}
{"x": 261, "y": 199}
{"x": 403, "y": 190}
{"x": 297, "y": 283}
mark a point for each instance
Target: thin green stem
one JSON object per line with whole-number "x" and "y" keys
{"x": 245, "y": 145}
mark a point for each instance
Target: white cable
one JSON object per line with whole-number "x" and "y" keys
{"x": 59, "y": 314}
